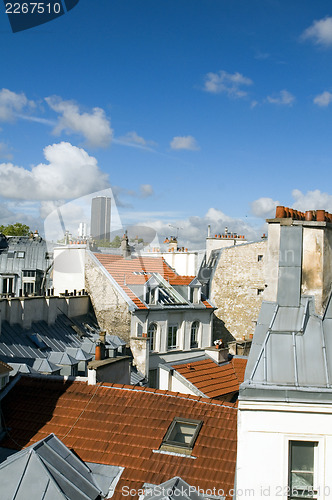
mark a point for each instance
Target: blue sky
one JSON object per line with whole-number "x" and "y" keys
{"x": 193, "y": 111}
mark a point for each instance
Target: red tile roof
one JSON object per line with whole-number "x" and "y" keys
{"x": 124, "y": 271}
{"x": 122, "y": 425}
{"x": 182, "y": 280}
{"x": 214, "y": 380}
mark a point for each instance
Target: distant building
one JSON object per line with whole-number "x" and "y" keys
{"x": 101, "y": 218}
{"x": 82, "y": 230}
{"x": 25, "y": 266}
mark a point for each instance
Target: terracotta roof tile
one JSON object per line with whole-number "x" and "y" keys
{"x": 214, "y": 380}
{"x": 121, "y": 426}
{"x": 125, "y": 272}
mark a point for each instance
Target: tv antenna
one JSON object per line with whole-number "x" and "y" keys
{"x": 177, "y": 229}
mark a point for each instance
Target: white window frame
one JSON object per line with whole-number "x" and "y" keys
{"x": 172, "y": 347}
{"x": 319, "y": 479}
{"x": 197, "y": 333}
{"x": 153, "y": 340}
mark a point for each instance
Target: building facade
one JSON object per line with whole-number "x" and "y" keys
{"x": 285, "y": 402}
{"x": 100, "y": 228}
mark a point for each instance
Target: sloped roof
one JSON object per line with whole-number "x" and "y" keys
{"x": 47, "y": 470}
{"x": 212, "y": 379}
{"x": 137, "y": 271}
{"x": 125, "y": 426}
{"x": 17, "y": 342}
{"x": 174, "y": 489}
{"x": 291, "y": 354}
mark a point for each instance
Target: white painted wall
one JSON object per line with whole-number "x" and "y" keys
{"x": 68, "y": 273}
{"x": 183, "y": 319}
{"x": 264, "y": 432}
{"x": 184, "y": 263}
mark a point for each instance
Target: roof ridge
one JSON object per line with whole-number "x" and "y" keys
{"x": 162, "y": 392}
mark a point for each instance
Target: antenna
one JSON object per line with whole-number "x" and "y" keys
{"x": 177, "y": 229}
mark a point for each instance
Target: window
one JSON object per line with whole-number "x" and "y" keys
{"x": 259, "y": 258}
{"x": 172, "y": 337}
{"x": 29, "y": 274}
{"x": 152, "y": 295}
{"x": 301, "y": 469}
{"x": 48, "y": 255}
{"x": 8, "y": 285}
{"x": 28, "y": 288}
{"x": 194, "y": 334}
{"x": 260, "y": 291}
{"x": 152, "y": 331}
{"x": 20, "y": 255}
{"x": 181, "y": 435}
{"x": 11, "y": 255}
{"x": 195, "y": 294}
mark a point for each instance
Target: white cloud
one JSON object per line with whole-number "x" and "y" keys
{"x": 320, "y": 32}
{"x": 283, "y": 98}
{"x": 146, "y": 190}
{"x": 69, "y": 173}
{"x": 94, "y": 126}
{"x": 229, "y": 83}
{"x": 193, "y": 230}
{"x": 184, "y": 142}
{"x": 132, "y": 138}
{"x": 264, "y": 207}
{"x": 312, "y": 200}
{"x": 11, "y": 104}
{"x": 323, "y": 99}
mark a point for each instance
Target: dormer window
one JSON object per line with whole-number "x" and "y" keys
{"x": 181, "y": 435}
{"x": 152, "y": 295}
{"x": 195, "y": 294}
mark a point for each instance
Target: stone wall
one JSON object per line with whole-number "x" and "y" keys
{"x": 110, "y": 307}
{"x": 238, "y": 288}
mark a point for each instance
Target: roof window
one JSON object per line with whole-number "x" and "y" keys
{"x": 20, "y": 254}
{"x": 181, "y": 435}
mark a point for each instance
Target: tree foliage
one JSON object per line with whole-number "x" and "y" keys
{"x": 116, "y": 243}
{"x": 17, "y": 229}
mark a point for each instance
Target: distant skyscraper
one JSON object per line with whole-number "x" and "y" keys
{"x": 101, "y": 218}
{"x": 82, "y": 230}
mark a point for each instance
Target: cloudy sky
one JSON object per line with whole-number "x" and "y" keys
{"x": 194, "y": 112}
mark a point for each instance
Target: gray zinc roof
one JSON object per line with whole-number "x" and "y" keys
{"x": 291, "y": 354}
{"x": 61, "y": 358}
{"x": 45, "y": 366}
{"x": 173, "y": 489}
{"x": 17, "y": 344}
{"x": 47, "y": 470}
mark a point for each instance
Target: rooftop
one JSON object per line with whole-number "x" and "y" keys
{"x": 125, "y": 426}
{"x": 212, "y": 379}
{"x": 128, "y": 273}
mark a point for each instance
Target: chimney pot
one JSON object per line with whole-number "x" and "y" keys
{"x": 280, "y": 212}
{"x": 320, "y": 215}
{"x": 98, "y": 356}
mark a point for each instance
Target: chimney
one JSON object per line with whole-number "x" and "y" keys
{"x": 298, "y": 257}
{"x": 98, "y": 352}
{"x": 125, "y": 247}
{"x": 209, "y": 231}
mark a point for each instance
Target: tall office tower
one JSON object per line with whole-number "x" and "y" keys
{"x": 101, "y": 218}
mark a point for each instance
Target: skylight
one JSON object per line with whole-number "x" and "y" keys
{"x": 181, "y": 435}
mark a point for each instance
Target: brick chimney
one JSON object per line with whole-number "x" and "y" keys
{"x": 299, "y": 257}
